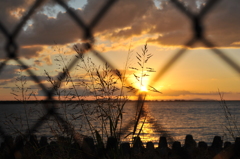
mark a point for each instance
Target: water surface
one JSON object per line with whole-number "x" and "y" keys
{"x": 203, "y": 120}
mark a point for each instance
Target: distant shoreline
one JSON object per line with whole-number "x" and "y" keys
{"x": 93, "y": 101}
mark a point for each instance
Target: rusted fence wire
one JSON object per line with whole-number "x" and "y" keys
{"x": 12, "y": 47}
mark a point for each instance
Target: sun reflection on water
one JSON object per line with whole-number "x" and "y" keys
{"x": 151, "y": 128}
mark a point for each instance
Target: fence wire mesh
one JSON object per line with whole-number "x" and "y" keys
{"x": 12, "y": 48}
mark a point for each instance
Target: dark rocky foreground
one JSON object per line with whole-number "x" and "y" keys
{"x": 66, "y": 148}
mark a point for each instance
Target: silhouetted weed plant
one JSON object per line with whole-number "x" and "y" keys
{"x": 16, "y": 123}
{"x": 142, "y": 72}
{"x": 99, "y": 83}
{"x": 231, "y": 127}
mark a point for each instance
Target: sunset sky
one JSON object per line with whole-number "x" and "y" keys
{"x": 198, "y": 74}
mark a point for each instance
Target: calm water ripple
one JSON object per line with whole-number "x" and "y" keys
{"x": 203, "y": 120}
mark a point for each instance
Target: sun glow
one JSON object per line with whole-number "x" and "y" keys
{"x": 143, "y": 89}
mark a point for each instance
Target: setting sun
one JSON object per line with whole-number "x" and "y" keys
{"x": 143, "y": 89}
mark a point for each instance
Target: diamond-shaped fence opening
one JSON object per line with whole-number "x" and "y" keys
{"x": 12, "y": 48}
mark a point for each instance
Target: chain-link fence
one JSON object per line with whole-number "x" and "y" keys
{"x": 12, "y": 48}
